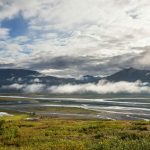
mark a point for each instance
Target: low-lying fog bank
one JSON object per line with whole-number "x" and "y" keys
{"x": 102, "y": 87}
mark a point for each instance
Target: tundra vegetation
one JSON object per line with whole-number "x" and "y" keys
{"x": 18, "y": 133}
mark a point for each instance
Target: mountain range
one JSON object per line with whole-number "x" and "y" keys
{"x": 23, "y": 76}
{"x": 130, "y": 75}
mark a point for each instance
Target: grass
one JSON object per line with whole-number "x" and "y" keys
{"x": 8, "y": 99}
{"x": 61, "y": 134}
{"x": 60, "y": 110}
{"x": 49, "y": 133}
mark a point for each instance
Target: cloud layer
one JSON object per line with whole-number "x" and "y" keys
{"x": 76, "y": 36}
{"x": 103, "y": 87}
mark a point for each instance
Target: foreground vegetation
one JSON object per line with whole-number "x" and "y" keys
{"x": 17, "y": 133}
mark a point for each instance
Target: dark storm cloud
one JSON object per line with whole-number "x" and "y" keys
{"x": 61, "y": 62}
{"x": 84, "y": 65}
{"x": 110, "y": 65}
{"x": 5, "y": 65}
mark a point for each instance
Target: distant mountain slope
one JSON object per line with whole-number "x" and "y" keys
{"x": 9, "y": 73}
{"x": 130, "y": 75}
{"x": 21, "y": 76}
{"x": 10, "y": 76}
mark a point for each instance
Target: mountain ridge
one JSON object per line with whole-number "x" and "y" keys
{"x": 130, "y": 75}
{"x": 25, "y": 76}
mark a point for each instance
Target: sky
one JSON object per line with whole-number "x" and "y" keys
{"x": 71, "y": 38}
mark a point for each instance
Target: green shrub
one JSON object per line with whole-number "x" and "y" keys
{"x": 2, "y": 122}
{"x": 10, "y": 133}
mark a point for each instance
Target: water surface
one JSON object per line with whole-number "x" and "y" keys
{"x": 108, "y": 108}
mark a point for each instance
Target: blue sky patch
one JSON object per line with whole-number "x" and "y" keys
{"x": 18, "y": 26}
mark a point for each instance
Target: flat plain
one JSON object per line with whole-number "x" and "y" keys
{"x": 29, "y": 123}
